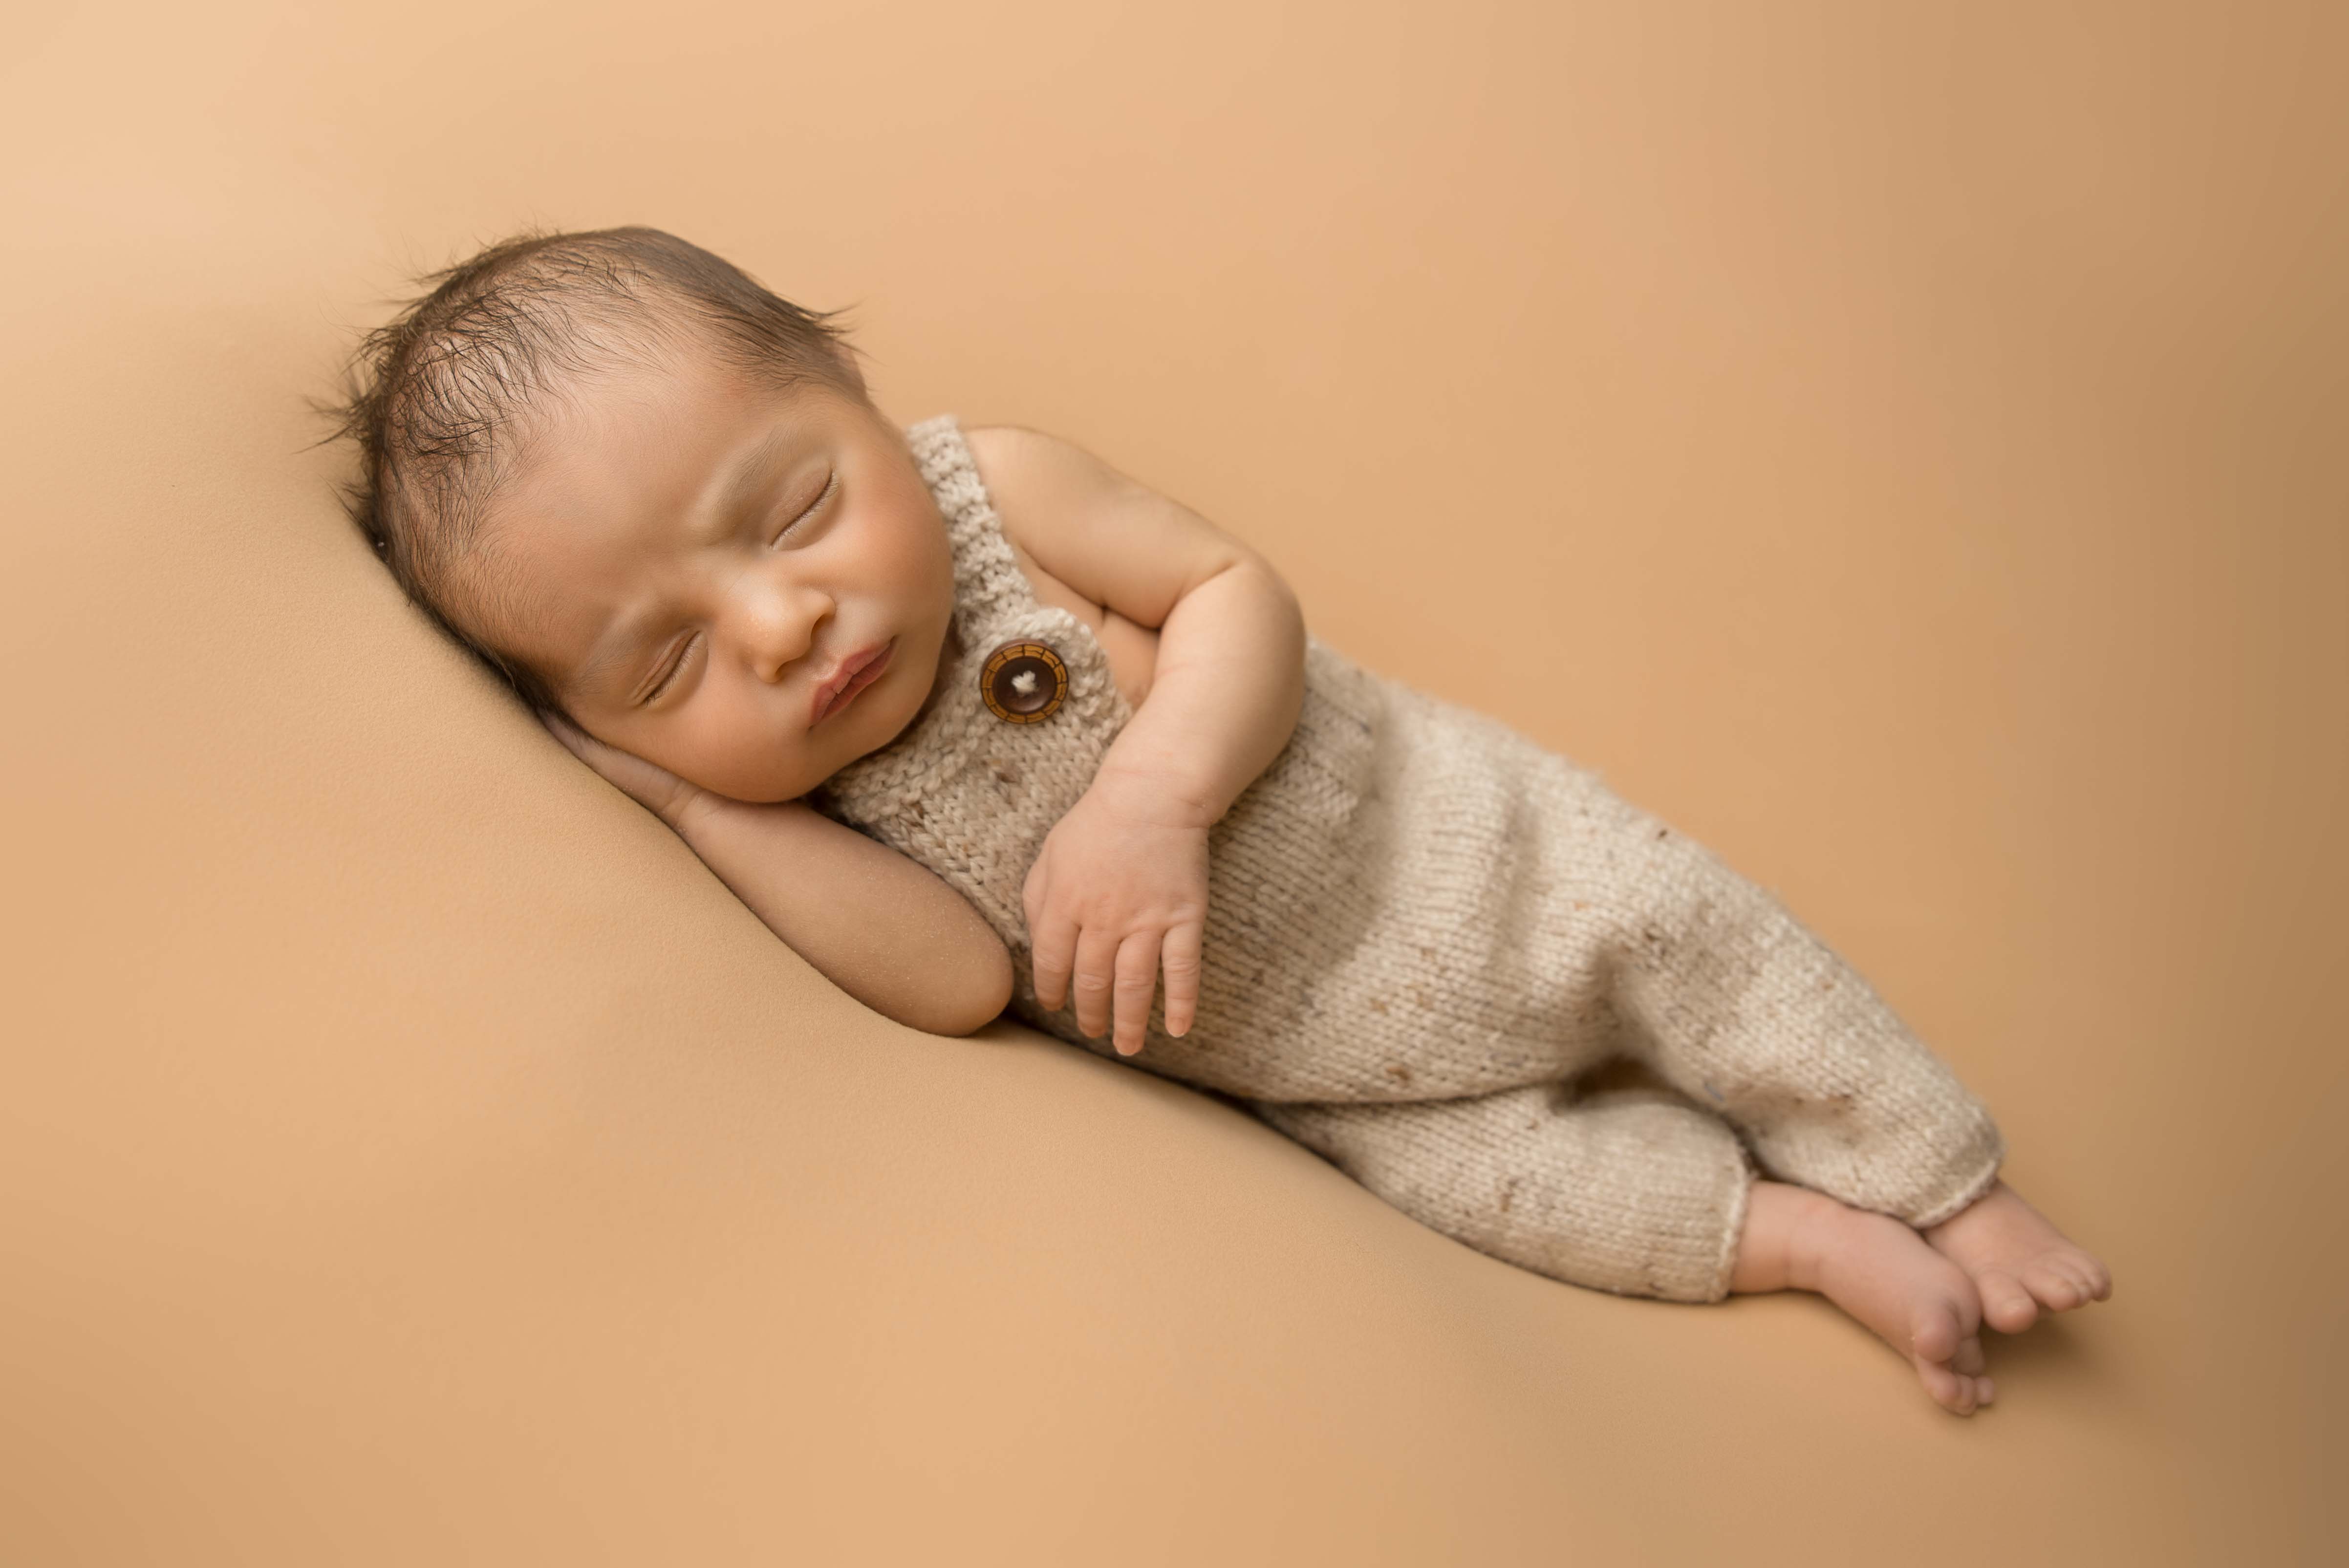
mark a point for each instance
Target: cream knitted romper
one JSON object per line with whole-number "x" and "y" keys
{"x": 1421, "y": 928}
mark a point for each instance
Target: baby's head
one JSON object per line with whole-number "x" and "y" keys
{"x": 656, "y": 498}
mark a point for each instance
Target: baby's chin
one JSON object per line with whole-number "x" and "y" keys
{"x": 754, "y": 785}
{"x": 755, "y": 780}
{"x": 883, "y": 712}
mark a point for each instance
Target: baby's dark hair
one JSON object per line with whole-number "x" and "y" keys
{"x": 432, "y": 395}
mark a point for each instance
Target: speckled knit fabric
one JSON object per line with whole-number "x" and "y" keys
{"x": 1421, "y": 927}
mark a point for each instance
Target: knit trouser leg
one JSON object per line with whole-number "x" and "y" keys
{"x": 1628, "y": 1192}
{"x": 1739, "y": 1008}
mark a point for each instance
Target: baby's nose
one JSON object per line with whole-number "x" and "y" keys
{"x": 780, "y": 629}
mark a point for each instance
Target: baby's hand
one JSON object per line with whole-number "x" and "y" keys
{"x": 1119, "y": 891}
{"x": 654, "y": 787}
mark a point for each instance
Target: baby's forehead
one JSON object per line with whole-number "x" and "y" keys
{"x": 645, "y": 430}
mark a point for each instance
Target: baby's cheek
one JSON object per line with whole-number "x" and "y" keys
{"x": 916, "y": 565}
{"x": 709, "y": 751}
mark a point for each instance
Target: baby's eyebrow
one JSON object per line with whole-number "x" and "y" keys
{"x": 742, "y": 486}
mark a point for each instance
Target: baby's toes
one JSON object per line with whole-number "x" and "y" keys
{"x": 2089, "y": 1275}
{"x": 1953, "y": 1392}
{"x": 1968, "y": 1362}
{"x": 2057, "y": 1287}
{"x": 2007, "y": 1305}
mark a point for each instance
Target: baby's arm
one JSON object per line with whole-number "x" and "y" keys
{"x": 872, "y": 922}
{"x": 1121, "y": 885}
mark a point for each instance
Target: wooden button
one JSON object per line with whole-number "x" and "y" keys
{"x": 1024, "y": 683}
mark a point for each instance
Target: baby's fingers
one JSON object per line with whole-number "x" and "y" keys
{"x": 574, "y": 739}
{"x": 1055, "y": 950}
{"x": 1090, "y": 982}
{"x": 1182, "y": 957}
{"x": 1137, "y": 982}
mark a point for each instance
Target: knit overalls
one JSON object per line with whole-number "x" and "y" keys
{"x": 1421, "y": 928}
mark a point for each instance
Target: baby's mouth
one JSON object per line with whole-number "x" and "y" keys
{"x": 855, "y": 673}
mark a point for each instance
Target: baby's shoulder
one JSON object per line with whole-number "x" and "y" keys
{"x": 1037, "y": 482}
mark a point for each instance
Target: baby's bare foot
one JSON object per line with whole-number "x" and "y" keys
{"x": 1879, "y": 1271}
{"x": 1918, "y": 1302}
{"x": 2018, "y": 1261}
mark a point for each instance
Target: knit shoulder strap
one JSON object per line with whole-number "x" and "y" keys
{"x": 988, "y": 584}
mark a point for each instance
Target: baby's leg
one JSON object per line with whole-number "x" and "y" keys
{"x": 1732, "y": 1002}
{"x": 1633, "y": 1192}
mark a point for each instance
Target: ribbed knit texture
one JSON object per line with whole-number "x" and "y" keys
{"x": 1421, "y": 927}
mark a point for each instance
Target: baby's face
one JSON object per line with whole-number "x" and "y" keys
{"x": 749, "y": 588}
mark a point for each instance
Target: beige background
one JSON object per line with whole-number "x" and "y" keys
{"x": 1902, "y": 445}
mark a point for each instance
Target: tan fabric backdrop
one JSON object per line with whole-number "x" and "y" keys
{"x": 1903, "y": 445}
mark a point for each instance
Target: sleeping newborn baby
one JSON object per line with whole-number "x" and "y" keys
{"x": 973, "y": 721}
